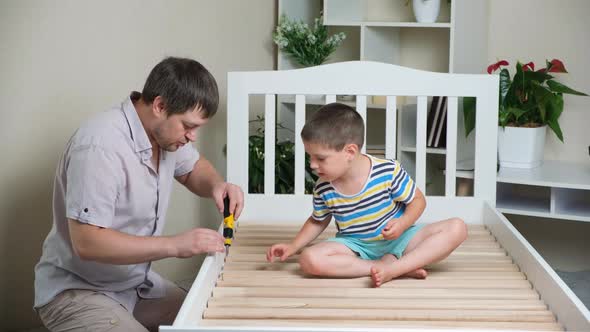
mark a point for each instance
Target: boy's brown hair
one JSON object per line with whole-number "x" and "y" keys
{"x": 335, "y": 125}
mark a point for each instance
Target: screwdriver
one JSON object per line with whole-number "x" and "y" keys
{"x": 228, "y": 224}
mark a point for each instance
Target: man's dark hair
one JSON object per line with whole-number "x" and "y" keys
{"x": 183, "y": 85}
{"x": 335, "y": 125}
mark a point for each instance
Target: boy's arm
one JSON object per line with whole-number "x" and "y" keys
{"x": 414, "y": 209}
{"x": 309, "y": 232}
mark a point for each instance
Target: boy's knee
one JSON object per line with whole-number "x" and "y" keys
{"x": 458, "y": 228}
{"x": 309, "y": 262}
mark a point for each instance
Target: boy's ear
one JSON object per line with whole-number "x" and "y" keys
{"x": 351, "y": 150}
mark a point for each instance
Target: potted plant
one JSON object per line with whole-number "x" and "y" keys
{"x": 425, "y": 11}
{"x": 529, "y": 102}
{"x": 309, "y": 46}
{"x": 284, "y": 163}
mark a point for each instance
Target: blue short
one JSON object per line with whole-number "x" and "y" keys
{"x": 376, "y": 249}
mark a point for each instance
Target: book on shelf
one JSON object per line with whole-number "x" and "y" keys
{"x": 430, "y": 120}
{"x": 441, "y": 132}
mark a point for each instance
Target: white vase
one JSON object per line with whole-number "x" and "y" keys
{"x": 426, "y": 11}
{"x": 521, "y": 147}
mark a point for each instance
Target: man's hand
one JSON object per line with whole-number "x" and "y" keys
{"x": 393, "y": 229}
{"x": 235, "y": 194}
{"x": 281, "y": 250}
{"x": 197, "y": 241}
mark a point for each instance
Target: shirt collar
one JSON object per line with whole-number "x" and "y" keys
{"x": 138, "y": 134}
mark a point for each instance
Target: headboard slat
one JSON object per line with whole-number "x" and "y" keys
{"x": 361, "y": 108}
{"x": 269, "y": 144}
{"x": 299, "y": 150}
{"x": 390, "y": 127}
{"x": 451, "y": 165}
{"x": 421, "y": 143}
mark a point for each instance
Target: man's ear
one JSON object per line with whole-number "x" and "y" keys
{"x": 159, "y": 107}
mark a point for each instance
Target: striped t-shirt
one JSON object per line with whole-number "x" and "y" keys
{"x": 389, "y": 188}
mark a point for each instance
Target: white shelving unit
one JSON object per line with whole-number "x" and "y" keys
{"x": 556, "y": 189}
{"x": 386, "y": 31}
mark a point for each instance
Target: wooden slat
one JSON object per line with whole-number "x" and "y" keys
{"x": 296, "y": 226}
{"x": 438, "y": 275}
{"x": 359, "y": 283}
{"x": 269, "y": 241}
{"x": 377, "y": 314}
{"x": 529, "y": 326}
{"x": 442, "y": 266}
{"x": 476, "y": 234}
{"x": 253, "y": 249}
{"x": 238, "y": 257}
{"x": 384, "y": 293}
{"x": 368, "y": 303}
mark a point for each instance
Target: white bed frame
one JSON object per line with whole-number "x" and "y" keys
{"x": 374, "y": 79}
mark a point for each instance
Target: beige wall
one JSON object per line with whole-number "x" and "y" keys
{"x": 61, "y": 61}
{"x": 535, "y": 30}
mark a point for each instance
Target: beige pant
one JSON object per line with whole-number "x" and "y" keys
{"x": 77, "y": 310}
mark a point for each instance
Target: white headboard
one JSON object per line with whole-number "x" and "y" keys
{"x": 360, "y": 78}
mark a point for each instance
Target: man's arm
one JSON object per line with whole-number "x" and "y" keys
{"x": 109, "y": 246}
{"x": 204, "y": 181}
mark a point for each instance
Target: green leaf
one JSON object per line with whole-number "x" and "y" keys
{"x": 560, "y": 88}
{"x": 555, "y": 108}
{"x": 554, "y": 125}
{"x": 469, "y": 114}
{"x": 541, "y": 96}
{"x": 514, "y": 113}
{"x": 504, "y": 84}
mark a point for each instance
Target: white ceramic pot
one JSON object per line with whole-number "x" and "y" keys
{"x": 521, "y": 147}
{"x": 426, "y": 11}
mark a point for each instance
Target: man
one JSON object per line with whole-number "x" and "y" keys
{"x": 111, "y": 194}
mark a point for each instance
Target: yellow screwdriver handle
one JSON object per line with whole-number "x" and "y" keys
{"x": 228, "y": 223}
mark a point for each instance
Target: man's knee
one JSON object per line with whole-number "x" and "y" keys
{"x": 81, "y": 310}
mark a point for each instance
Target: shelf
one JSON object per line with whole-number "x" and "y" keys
{"x": 321, "y": 102}
{"x": 428, "y": 150}
{"x": 559, "y": 190}
{"x": 556, "y": 174}
{"x": 516, "y": 197}
{"x": 389, "y": 24}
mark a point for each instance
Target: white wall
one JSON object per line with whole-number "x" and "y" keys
{"x": 535, "y": 30}
{"x": 61, "y": 61}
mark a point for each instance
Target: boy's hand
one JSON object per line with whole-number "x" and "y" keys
{"x": 281, "y": 250}
{"x": 393, "y": 229}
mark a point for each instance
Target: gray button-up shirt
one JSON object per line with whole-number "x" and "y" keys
{"x": 106, "y": 178}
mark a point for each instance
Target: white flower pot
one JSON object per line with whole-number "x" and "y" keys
{"x": 521, "y": 147}
{"x": 426, "y": 11}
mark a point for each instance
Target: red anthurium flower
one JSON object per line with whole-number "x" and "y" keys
{"x": 493, "y": 67}
{"x": 528, "y": 66}
{"x": 556, "y": 66}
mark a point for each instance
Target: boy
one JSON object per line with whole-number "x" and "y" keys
{"x": 375, "y": 204}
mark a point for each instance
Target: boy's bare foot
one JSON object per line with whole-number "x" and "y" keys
{"x": 382, "y": 271}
